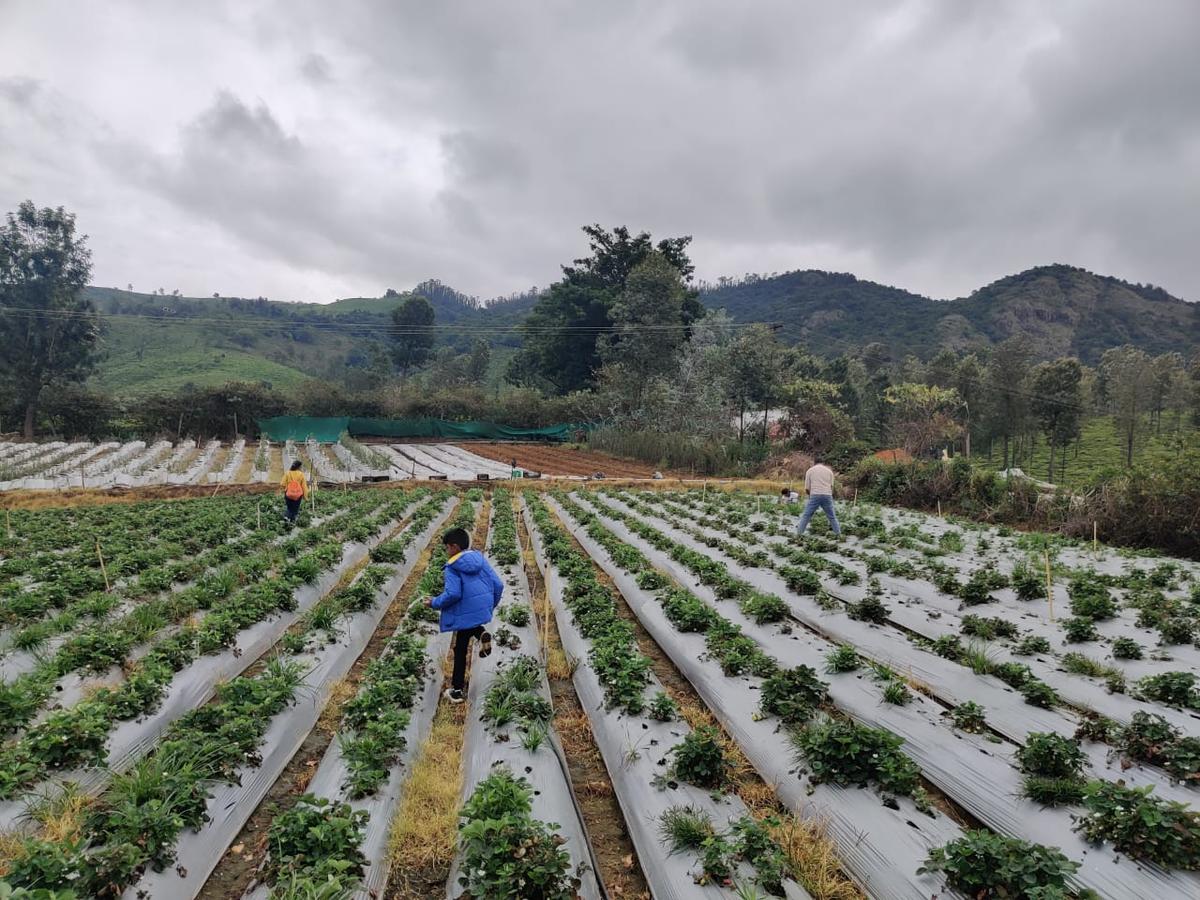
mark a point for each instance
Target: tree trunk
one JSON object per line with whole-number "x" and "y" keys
{"x": 766, "y": 412}
{"x": 742, "y": 423}
{"x": 1050, "y": 469}
{"x": 1006, "y": 450}
{"x": 1129, "y": 447}
{"x": 30, "y": 413}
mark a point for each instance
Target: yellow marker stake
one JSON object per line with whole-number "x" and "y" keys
{"x": 1049, "y": 585}
{"x": 103, "y": 569}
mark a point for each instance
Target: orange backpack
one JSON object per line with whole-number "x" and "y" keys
{"x": 294, "y": 489}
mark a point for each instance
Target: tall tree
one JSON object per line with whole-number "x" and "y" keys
{"x": 1125, "y": 378}
{"x": 561, "y": 333}
{"x": 648, "y": 320}
{"x": 412, "y": 333}
{"x": 1006, "y": 374}
{"x": 922, "y": 416}
{"x": 481, "y": 357}
{"x": 968, "y": 380}
{"x": 1057, "y": 403}
{"x": 48, "y": 330}
{"x": 756, "y": 376}
{"x": 1165, "y": 371}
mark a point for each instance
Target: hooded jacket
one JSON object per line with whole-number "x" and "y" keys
{"x": 472, "y": 591}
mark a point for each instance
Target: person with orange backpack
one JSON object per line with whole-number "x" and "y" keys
{"x": 295, "y": 489}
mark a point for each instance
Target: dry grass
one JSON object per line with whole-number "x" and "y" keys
{"x": 340, "y": 694}
{"x": 12, "y": 847}
{"x": 558, "y": 666}
{"x": 426, "y": 825}
{"x": 61, "y": 815}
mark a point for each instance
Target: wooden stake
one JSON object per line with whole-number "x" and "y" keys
{"x": 1095, "y": 533}
{"x": 939, "y": 508}
{"x": 103, "y": 569}
{"x": 1049, "y": 584}
{"x": 855, "y": 497}
{"x": 259, "y": 508}
{"x": 8, "y": 523}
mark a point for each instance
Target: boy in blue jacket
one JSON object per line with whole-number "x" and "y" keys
{"x": 470, "y": 594}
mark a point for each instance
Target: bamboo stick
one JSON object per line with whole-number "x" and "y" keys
{"x": 103, "y": 568}
{"x": 1049, "y": 584}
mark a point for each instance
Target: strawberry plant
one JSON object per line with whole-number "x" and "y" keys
{"x": 1031, "y": 644}
{"x": 1080, "y": 629}
{"x": 1091, "y": 599}
{"x": 793, "y": 694}
{"x": 699, "y": 759}
{"x": 662, "y": 708}
{"x": 1172, "y": 688}
{"x": 847, "y": 753}
{"x": 969, "y": 717}
{"x": 1028, "y": 584}
{"x": 1053, "y": 768}
{"x": 842, "y": 658}
{"x": 1176, "y": 630}
{"x": 988, "y": 628}
{"x": 1038, "y": 693}
{"x": 318, "y": 838}
{"x": 1141, "y": 825}
{"x": 1126, "y": 648}
{"x": 981, "y": 864}
{"x": 507, "y": 853}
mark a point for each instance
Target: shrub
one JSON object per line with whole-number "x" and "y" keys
{"x": 1141, "y": 825}
{"x": 699, "y": 759}
{"x": 793, "y": 694}
{"x": 982, "y": 864}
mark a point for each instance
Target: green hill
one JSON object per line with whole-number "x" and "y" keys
{"x": 163, "y": 343}
{"x": 1061, "y": 310}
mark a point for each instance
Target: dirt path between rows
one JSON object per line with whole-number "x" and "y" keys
{"x": 237, "y": 868}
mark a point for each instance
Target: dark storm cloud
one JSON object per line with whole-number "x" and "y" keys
{"x": 935, "y": 144}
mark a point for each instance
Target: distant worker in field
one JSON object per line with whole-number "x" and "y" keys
{"x": 295, "y": 489}
{"x": 818, "y": 484}
{"x": 787, "y": 495}
{"x": 470, "y": 594}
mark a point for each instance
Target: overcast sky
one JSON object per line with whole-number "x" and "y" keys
{"x": 310, "y": 150}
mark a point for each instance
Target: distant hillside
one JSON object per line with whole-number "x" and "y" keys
{"x": 162, "y": 343}
{"x": 1060, "y": 309}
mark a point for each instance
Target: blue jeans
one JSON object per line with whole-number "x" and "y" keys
{"x": 815, "y": 502}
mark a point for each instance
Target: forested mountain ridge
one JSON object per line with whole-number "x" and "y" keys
{"x": 1061, "y": 310}
{"x": 162, "y": 342}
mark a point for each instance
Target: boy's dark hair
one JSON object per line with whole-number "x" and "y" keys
{"x": 458, "y": 537}
{"x": 785, "y": 491}
{"x": 296, "y": 464}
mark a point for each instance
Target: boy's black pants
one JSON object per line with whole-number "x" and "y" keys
{"x": 462, "y": 646}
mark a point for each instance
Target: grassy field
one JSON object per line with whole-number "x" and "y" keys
{"x": 166, "y": 370}
{"x": 1101, "y": 447}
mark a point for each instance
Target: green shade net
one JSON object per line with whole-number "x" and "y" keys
{"x": 300, "y": 428}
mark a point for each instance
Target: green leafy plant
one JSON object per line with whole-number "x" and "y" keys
{"x": 897, "y": 692}
{"x": 1031, "y": 644}
{"x": 982, "y": 864}
{"x": 1038, "y": 693}
{"x": 507, "y": 853}
{"x": 1080, "y": 629}
{"x": 793, "y": 694}
{"x": 1141, "y": 825}
{"x": 1053, "y": 768}
{"x": 969, "y": 716}
{"x": 848, "y": 753}
{"x": 515, "y": 614}
{"x": 1173, "y": 688}
{"x": 663, "y": 707}
{"x": 842, "y": 658}
{"x": 315, "y": 833}
{"x": 700, "y": 760}
{"x": 1126, "y": 648}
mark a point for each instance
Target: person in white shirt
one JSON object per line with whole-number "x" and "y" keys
{"x": 818, "y": 484}
{"x": 787, "y": 495}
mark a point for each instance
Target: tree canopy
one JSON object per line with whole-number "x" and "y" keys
{"x": 49, "y": 332}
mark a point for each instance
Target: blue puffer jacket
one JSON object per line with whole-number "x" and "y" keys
{"x": 472, "y": 590}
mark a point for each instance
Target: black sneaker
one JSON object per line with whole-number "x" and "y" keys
{"x": 485, "y": 644}
{"x": 454, "y": 695}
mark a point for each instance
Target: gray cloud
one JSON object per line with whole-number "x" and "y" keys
{"x": 935, "y": 144}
